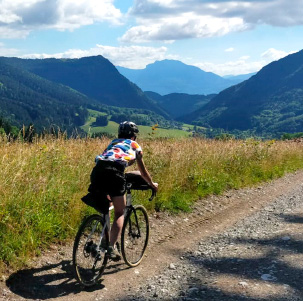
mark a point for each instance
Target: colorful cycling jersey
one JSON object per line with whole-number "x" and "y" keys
{"x": 123, "y": 151}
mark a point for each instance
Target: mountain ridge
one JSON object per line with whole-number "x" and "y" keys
{"x": 271, "y": 100}
{"x": 172, "y": 76}
{"x": 27, "y": 98}
{"x": 95, "y": 76}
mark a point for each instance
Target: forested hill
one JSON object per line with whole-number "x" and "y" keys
{"x": 270, "y": 101}
{"x": 179, "y": 104}
{"x": 96, "y": 77}
{"x": 27, "y": 98}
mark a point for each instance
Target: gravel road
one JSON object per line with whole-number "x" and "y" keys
{"x": 244, "y": 245}
{"x": 259, "y": 258}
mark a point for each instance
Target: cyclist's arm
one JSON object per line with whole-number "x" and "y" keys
{"x": 144, "y": 173}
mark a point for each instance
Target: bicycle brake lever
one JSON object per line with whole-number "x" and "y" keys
{"x": 153, "y": 195}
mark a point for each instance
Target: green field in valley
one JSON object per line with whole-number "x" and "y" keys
{"x": 145, "y": 131}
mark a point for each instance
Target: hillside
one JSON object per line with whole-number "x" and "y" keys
{"x": 27, "y": 98}
{"x": 95, "y": 77}
{"x": 170, "y": 76}
{"x": 270, "y": 101}
{"x": 236, "y": 79}
{"x": 179, "y": 104}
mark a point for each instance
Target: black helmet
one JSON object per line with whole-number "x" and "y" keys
{"x": 127, "y": 129}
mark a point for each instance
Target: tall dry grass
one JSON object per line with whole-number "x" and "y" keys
{"x": 41, "y": 183}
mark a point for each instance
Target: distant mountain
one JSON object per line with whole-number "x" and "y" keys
{"x": 270, "y": 101}
{"x": 179, "y": 104}
{"x": 27, "y": 98}
{"x": 236, "y": 79}
{"x": 95, "y": 77}
{"x": 170, "y": 76}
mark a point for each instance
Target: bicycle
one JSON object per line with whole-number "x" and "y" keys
{"x": 92, "y": 239}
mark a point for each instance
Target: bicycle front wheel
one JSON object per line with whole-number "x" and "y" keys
{"x": 89, "y": 255}
{"x": 134, "y": 236}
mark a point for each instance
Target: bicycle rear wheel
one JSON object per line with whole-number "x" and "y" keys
{"x": 89, "y": 258}
{"x": 134, "y": 236}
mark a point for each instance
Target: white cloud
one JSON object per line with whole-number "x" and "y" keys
{"x": 236, "y": 67}
{"x": 10, "y": 33}
{"x": 231, "y": 49}
{"x": 135, "y": 57}
{"x": 186, "y": 25}
{"x": 244, "y": 57}
{"x": 244, "y": 64}
{"x": 179, "y": 19}
{"x": 4, "y": 51}
{"x": 274, "y": 54}
{"x": 20, "y": 17}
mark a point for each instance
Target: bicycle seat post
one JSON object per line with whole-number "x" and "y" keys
{"x": 128, "y": 195}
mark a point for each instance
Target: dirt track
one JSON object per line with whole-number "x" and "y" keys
{"x": 244, "y": 245}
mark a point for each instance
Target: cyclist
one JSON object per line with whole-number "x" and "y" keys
{"x": 108, "y": 176}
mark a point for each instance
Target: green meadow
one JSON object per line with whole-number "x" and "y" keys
{"x": 41, "y": 183}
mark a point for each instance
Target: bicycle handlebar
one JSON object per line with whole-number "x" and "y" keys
{"x": 142, "y": 187}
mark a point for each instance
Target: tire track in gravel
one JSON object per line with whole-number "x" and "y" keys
{"x": 172, "y": 236}
{"x": 259, "y": 258}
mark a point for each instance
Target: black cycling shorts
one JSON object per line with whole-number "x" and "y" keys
{"x": 108, "y": 178}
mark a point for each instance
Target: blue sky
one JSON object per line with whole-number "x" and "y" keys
{"x": 220, "y": 36}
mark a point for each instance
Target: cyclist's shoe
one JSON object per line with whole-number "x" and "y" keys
{"x": 113, "y": 254}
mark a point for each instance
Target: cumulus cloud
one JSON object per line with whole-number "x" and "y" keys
{"x": 244, "y": 64}
{"x": 239, "y": 66}
{"x": 274, "y": 54}
{"x": 135, "y": 57}
{"x": 19, "y": 17}
{"x": 186, "y": 25}
{"x": 231, "y": 49}
{"x": 4, "y": 51}
{"x": 179, "y": 19}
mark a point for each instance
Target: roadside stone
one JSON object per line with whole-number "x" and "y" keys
{"x": 193, "y": 290}
{"x": 172, "y": 266}
{"x": 268, "y": 277}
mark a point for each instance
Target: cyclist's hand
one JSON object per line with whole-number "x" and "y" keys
{"x": 155, "y": 186}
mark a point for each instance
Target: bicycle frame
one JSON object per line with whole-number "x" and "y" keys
{"x": 106, "y": 220}
{"x": 128, "y": 207}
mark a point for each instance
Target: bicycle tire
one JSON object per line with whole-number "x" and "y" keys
{"x": 134, "y": 236}
{"x": 89, "y": 261}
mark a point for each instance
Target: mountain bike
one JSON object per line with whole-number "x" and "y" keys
{"x": 92, "y": 240}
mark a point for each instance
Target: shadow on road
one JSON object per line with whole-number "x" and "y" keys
{"x": 240, "y": 268}
{"x": 51, "y": 281}
{"x": 279, "y": 259}
{"x": 297, "y": 219}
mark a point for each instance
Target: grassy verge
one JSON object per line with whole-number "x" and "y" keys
{"x": 41, "y": 183}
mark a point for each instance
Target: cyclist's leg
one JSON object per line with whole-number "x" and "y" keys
{"x": 134, "y": 172}
{"x": 135, "y": 178}
{"x": 119, "y": 206}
